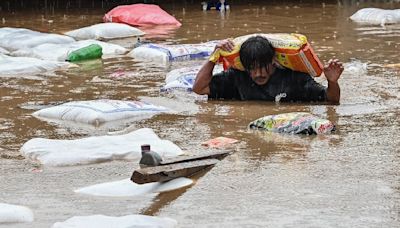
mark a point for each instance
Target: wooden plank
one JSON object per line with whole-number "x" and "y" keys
{"x": 217, "y": 155}
{"x": 168, "y": 172}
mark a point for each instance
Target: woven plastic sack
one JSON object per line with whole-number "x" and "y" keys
{"x": 14, "y": 214}
{"x": 14, "y": 39}
{"x": 140, "y": 15}
{"x": 59, "y": 52}
{"x": 293, "y": 123}
{"x": 105, "y": 31}
{"x": 291, "y": 50}
{"x": 167, "y": 53}
{"x": 96, "y": 149}
{"x": 23, "y": 65}
{"x": 183, "y": 78}
{"x": 376, "y": 16}
{"x": 97, "y": 112}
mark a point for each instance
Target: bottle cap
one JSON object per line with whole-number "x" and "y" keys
{"x": 145, "y": 147}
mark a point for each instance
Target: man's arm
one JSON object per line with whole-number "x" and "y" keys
{"x": 332, "y": 73}
{"x": 201, "y": 85}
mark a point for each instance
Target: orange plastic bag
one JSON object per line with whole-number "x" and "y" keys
{"x": 291, "y": 51}
{"x": 140, "y": 15}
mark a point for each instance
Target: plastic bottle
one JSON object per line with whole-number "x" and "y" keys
{"x": 93, "y": 51}
{"x": 149, "y": 157}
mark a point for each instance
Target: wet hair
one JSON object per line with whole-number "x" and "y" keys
{"x": 256, "y": 52}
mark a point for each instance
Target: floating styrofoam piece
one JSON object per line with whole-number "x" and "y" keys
{"x": 13, "y": 213}
{"x": 376, "y": 16}
{"x": 59, "y": 52}
{"x": 14, "y": 39}
{"x": 24, "y": 65}
{"x": 97, "y": 112}
{"x": 128, "y": 221}
{"x": 183, "y": 78}
{"x": 166, "y": 53}
{"x": 95, "y": 149}
{"x": 105, "y": 31}
{"x": 126, "y": 187}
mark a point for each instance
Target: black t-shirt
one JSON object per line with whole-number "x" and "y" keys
{"x": 288, "y": 85}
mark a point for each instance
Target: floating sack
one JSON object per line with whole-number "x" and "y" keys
{"x": 291, "y": 51}
{"x": 105, "y": 31}
{"x": 97, "y": 112}
{"x": 294, "y": 123}
{"x": 126, "y": 188}
{"x": 14, "y": 213}
{"x": 23, "y": 65}
{"x": 97, "y": 149}
{"x": 140, "y": 15}
{"x": 376, "y": 16}
{"x": 128, "y": 221}
{"x": 165, "y": 53}
{"x": 14, "y": 39}
{"x": 93, "y": 51}
{"x": 183, "y": 78}
{"x": 59, "y": 52}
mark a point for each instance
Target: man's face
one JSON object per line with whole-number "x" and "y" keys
{"x": 261, "y": 75}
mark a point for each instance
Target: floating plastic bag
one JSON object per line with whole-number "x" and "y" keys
{"x": 13, "y": 213}
{"x": 97, "y": 112}
{"x": 59, "y": 52}
{"x": 97, "y": 149}
{"x": 14, "y": 39}
{"x": 183, "y": 78}
{"x": 376, "y": 16}
{"x": 294, "y": 123}
{"x": 128, "y": 221}
{"x": 93, "y": 51}
{"x": 165, "y": 53}
{"x": 140, "y": 15}
{"x": 127, "y": 188}
{"x": 105, "y": 31}
{"x": 291, "y": 50}
{"x": 219, "y": 142}
{"x": 23, "y": 65}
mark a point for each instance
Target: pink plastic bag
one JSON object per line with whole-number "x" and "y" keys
{"x": 140, "y": 15}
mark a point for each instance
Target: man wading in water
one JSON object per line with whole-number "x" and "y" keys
{"x": 262, "y": 80}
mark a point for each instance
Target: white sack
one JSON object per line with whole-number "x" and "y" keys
{"x": 24, "y": 65}
{"x": 97, "y": 112}
{"x": 14, "y": 39}
{"x": 166, "y": 53}
{"x": 183, "y": 78}
{"x": 105, "y": 31}
{"x": 14, "y": 213}
{"x": 95, "y": 149}
{"x": 59, "y": 52}
{"x": 376, "y": 16}
{"x": 127, "y": 188}
{"x": 128, "y": 221}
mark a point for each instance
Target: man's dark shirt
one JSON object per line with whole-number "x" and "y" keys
{"x": 287, "y": 84}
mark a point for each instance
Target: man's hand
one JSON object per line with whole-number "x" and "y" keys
{"x": 333, "y": 70}
{"x": 225, "y": 45}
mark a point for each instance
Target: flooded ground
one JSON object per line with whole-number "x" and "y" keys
{"x": 347, "y": 179}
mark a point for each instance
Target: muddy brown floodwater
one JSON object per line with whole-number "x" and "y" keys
{"x": 350, "y": 178}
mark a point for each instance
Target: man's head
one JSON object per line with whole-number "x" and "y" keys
{"x": 256, "y": 55}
